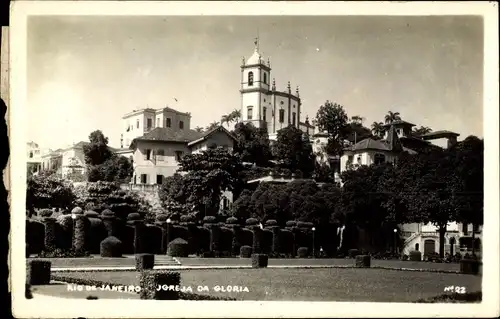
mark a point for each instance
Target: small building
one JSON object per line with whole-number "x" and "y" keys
{"x": 34, "y": 162}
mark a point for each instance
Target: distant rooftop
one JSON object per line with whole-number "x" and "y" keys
{"x": 439, "y": 134}
{"x": 152, "y": 110}
{"x": 399, "y": 123}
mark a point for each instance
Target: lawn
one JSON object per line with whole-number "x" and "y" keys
{"x": 333, "y": 284}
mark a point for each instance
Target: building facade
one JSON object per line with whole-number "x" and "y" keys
{"x": 34, "y": 154}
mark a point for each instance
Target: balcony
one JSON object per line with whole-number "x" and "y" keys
{"x": 148, "y": 188}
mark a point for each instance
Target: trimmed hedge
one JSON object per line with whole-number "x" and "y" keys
{"x": 45, "y": 212}
{"x": 245, "y": 251}
{"x": 38, "y": 272}
{"x": 77, "y": 210}
{"x": 251, "y": 221}
{"x": 415, "y": 255}
{"x": 178, "y": 248}
{"x": 291, "y": 223}
{"x": 81, "y": 226}
{"x": 91, "y": 213}
{"x": 134, "y": 216}
{"x": 469, "y": 266}
{"x": 144, "y": 261}
{"x": 209, "y": 220}
{"x": 111, "y": 247}
{"x": 302, "y": 252}
{"x": 232, "y": 220}
{"x": 271, "y": 222}
{"x": 363, "y": 261}
{"x": 151, "y": 279}
{"x": 50, "y": 233}
{"x": 276, "y": 239}
{"x": 259, "y": 260}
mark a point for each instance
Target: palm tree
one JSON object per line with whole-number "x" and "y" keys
{"x": 235, "y": 115}
{"x": 357, "y": 119}
{"x": 392, "y": 116}
{"x": 378, "y": 129}
{"x": 421, "y": 130}
{"x": 226, "y": 119}
{"x": 199, "y": 129}
{"x": 213, "y": 125}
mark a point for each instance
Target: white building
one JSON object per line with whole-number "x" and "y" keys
{"x": 34, "y": 154}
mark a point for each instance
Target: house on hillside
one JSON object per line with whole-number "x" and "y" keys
{"x": 156, "y": 154}
{"x": 34, "y": 162}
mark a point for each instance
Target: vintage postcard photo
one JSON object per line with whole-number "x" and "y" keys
{"x": 253, "y": 159}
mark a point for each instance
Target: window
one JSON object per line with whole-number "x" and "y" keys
{"x": 293, "y": 118}
{"x": 144, "y": 179}
{"x": 465, "y": 229}
{"x": 181, "y": 125}
{"x": 282, "y": 102}
{"x": 178, "y": 155}
{"x": 149, "y": 123}
{"x": 359, "y": 159}
{"x": 282, "y": 116}
{"x": 159, "y": 179}
{"x": 249, "y": 112}
{"x": 250, "y": 78}
{"x": 264, "y": 113}
{"x": 160, "y": 153}
{"x": 379, "y": 159}
{"x": 31, "y": 154}
{"x": 137, "y": 123}
{"x": 158, "y": 122}
{"x": 147, "y": 155}
{"x": 417, "y": 246}
{"x": 169, "y": 122}
{"x": 476, "y": 227}
{"x": 265, "y": 78}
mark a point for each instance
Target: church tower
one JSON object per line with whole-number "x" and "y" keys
{"x": 255, "y": 89}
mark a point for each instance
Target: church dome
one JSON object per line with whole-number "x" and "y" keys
{"x": 255, "y": 58}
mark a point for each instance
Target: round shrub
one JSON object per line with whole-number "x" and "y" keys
{"x": 251, "y": 221}
{"x": 111, "y": 247}
{"x": 184, "y": 218}
{"x": 178, "y": 248}
{"x": 90, "y": 206}
{"x": 65, "y": 221}
{"x": 45, "y": 212}
{"x": 291, "y": 223}
{"x": 77, "y": 210}
{"x": 134, "y": 216}
{"x": 209, "y": 220}
{"x": 161, "y": 218}
{"x": 91, "y": 213}
{"x": 108, "y": 213}
{"x": 302, "y": 252}
{"x": 245, "y": 251}
{"x": 302, "y": 225}
{"x": 271, "y": 222}
{"x": 232, "y": 220}
{"x": 415, "y": 255}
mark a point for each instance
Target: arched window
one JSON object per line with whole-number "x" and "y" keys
{"x": 379, "y": 159}
{"x": 31, "y": 154}
{"x": 249, "y": 112}
{"x": 250, "y": 78}
{"x": 282, "y": 116}
{"x": 265, "y": 78}
{"x": 264, "y": 109}
{"x": 417, "y": 246}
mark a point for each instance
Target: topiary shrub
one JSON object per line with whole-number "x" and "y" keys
{"x": 245, "y": 251}
{"x": 90, "y": 206}
{"x": 302, "y": 252}
{"x": 469, "y": 266}
{"x": 80, "y": 231}
{"x": 46, "y": 212}
{"x": 232, "y": 221}
{"x": 150, "y": 280}
{"x": 133, "y": 217}
{"x": 144, "y": 261}
{"x": 259, "y": 260}
{"x": 63, "y": 253}
{"x": 291, "y": 223}
{"x": 91, "y": 213}
{"x": 303, "y": 225}
{"x": 271, "y": 222}
{"x": 275, "y": 248}
{"x": 111, "y": 247}
{"x": 251, "y": 222}
{"x": 38, "y": 272}
{"x": 415, "y": 255}
{"x": 178, "y": 248}
{"x": 209, "y": 220}
{"x": 50, "y": 233}
{"x": 77, "y": 210}
{"x": 161, "y": 218}
{"x": 363, "y": 261}
{"x": 352, "y": 253}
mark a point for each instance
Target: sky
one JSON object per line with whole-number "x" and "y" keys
{"x": 86, "y": 72}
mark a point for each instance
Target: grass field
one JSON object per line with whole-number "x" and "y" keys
{"x": 334, "y": 284}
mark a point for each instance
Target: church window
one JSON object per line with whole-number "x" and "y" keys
{"x": 250, "y": 78}
{"x": 181, "y": 125}
{"x": 158, "y": 122}
{"x": 379, "y": 159}
{"x": 293, "y": 118}
{"x": 282, "y": 116}
{"x": 265, "y": 78}
{"x": 137, "y": 123}
{"x": 31, "y": 154}
{"x": 169, "y": 122}
{"x": 359, "y": 159}
{"x": 282, "y": 102}
{"x": 249, "y": 112}
{"x": 264, "y": 113}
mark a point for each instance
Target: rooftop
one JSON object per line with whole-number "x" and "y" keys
{"x": 399, "y": 123}
{"x": 439, "y": 134}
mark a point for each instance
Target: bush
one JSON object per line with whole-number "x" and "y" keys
{"x": 91, "y": 213}
{"x": 251, "y": 221}
{"x": 161, "y": 218}
{"x": 77, "y": 210}
{"x": 46, "y": 212}
{"x": 38, "y": 272}
{"x": 302, "y": 252}
{"x": 291, "y": 223}
{"x": 209, "y": 220}
{"x": 232, "y": 220}
{"x": 144, "y": 261}
{"x": 352, "y": 253}
{"x": 111, "y": 247}
{"x": 245, "y": 251}
{"x": 50, "y": 233}
{"x": 48, "y": 191}
{"x": 178, "y": 248}
{"x": 133, "y": 217}
{"x": 415, "y": 255}
{"x": 404, "y": 257}
{"x": 259, "y": 260}
{"x": 151, "y": 279}
{"x": 63, "y": 253}
{"x": 363, "y": 261}
{"x": 432, "y": 257}
{"x": 469, "y": 266}
{"x": 271, "y": 222}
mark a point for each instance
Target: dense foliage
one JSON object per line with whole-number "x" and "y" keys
{"x": 252, "y": 144}
{"x": 294, "y": 151}
{"x": 48, "y": 192}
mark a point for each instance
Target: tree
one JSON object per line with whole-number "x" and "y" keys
{"x": 241, "y": 207}
{"x": 294, "y": 151}
{"x": 226, "y": 119}
{"x": 332, "y": 119}
{"x": 378, "y": 129}
{"x": 422, "y": 130}
{"x": 212, "y": 125}
{"x": 48, "y": 192}
{"x": 392, "y": 117}
{"x": 357, "y": 119}
{"x": 235, "y": 115}
{"x": 97, "y": 152}
{"x": 199, "y": 129}
{"x": 252, "y": 144}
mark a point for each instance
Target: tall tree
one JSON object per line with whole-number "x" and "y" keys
{"x": 357, "y": 119}
{"x": 235, "y": 115}
{"x": 392, "y": 117}
{"x": 226, "y": 119}
{"x": 252, "y": 144}
{"x": 294, "y": 151}
{"x": 332, "y": 119}
{"x": 97, "y": 152}
{"x": 377, "y": 129}
{"x": 421, "y": 130}
{"x": 212, "y": 125}
{"x": 199, "y": 129}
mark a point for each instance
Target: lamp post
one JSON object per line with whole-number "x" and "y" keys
{"x": 395, "y": 240}
{"x": 73, "y": 217}
{"x": 169, "y": 221}
{"x": 314, "y": 249}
